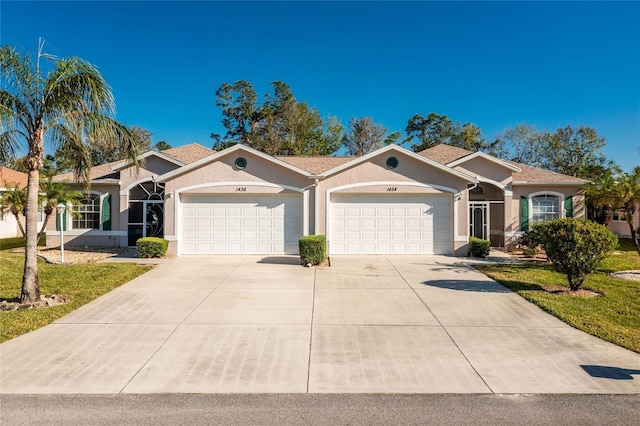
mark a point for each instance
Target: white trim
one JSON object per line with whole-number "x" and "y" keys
{"x": 527, "y": 183}
{"x": 305, "y": 212}
{"x": 486, "y": 157}
{"x": 455, "y": 195}
{"x": 316, "y": 205}
{"x": 507, "y": 192}
{"x": 214, "y": 157}
{"x": 177, "y": 231}
{"x": 126, "y": 190}
{"x": 129, "y": 163}
{"x": 513, "y": 233}
{"x": 89, "y": 232}
{"x": 401, "y": 150}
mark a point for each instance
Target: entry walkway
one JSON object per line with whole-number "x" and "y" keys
{"x": 248, "y": 324}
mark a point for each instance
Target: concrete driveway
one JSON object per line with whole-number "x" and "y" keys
{"x": 383, "y": 324}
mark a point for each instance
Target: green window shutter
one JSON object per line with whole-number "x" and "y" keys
{"x": 524, "y": 213}
{"x": 64, "y": 221}
{"x": 106, "y": 213}
{"x": 568, "y": 206}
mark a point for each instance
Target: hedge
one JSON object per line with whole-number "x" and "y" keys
{"x": 152, "y": 247}
{"x": 313, "y": 249}
{"x": 479, "y": 247}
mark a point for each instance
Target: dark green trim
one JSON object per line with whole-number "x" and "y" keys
{"x": 524, "y": 213}
{"x": 568, "y": 206}
{"x": 106, "y": 213}
{"x": 64, "y": 221}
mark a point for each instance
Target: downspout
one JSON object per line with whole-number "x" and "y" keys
{"x": 316, "y": 207}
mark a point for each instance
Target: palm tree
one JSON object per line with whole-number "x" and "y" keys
{"x": 54, "y": 193}
{"x": 628, "y": 193}
{"x": 600, "y": 196}
{"x": 69, "y": 105}
{"x": 161, "y": 146}
{"x": 14, "y": 201}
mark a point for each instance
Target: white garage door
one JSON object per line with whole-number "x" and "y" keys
{"x": 223, "y": 224}
{"x": 371, "y": 224}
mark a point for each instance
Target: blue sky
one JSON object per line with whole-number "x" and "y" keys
{"x": 494, "y": 64}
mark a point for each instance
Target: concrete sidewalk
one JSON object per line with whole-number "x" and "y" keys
{"x": 374, "y": 324}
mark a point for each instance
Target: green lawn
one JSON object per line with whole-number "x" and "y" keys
{"x": 79, "y": 283}
{"x": 9, "y": 243}
{"x": 614, "y": 316}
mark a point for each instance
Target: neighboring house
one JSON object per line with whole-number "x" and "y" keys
{"x": 619, "y": 225}
{"x": 391, "y": 201}
{"x": 9, "y": 179}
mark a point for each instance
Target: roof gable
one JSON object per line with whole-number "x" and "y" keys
{"x": 234, "y": 149}
{"x": 399, "y": 149}
{"x": 522, "y": 173}
{"x": 484, "y": 156}
{"x": 128, "y": 163}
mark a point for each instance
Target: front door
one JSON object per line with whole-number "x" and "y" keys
{"x": 479, "y": 220}
{"x": 146, "y": 211}
{"x": 146, "y": 219}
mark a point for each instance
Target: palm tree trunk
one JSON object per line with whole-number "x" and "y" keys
{"x": 20, "y": 227}
{"x": 634, "y": 235}
{"x": 30, "y": 281}
{"x": 44, "y": 227}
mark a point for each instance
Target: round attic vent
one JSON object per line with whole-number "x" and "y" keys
{"x": 240, "y": 163}
{"x": 392, "y": 163}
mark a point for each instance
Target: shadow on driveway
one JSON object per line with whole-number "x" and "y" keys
{"x": 466, "y": 285}
{"x": 605, "y": 372}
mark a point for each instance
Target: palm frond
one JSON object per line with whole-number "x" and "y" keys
{"x": 75, "y": 84}
{"x": 67, "y": 139}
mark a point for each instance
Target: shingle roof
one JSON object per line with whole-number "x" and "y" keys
{"x": 185, "y": 154}
{"x": 189, "y": 153}
{"x": 315, "y": 165}
{"x": 100, "y": 172}
{"x": 445, "y": 154}
{"x": 10, "y": 177}
{"x": 533, "y": 175}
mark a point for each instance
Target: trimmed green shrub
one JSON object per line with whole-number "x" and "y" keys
{"x": 152, "y": 247}
{"x": 479, "y": 247}
{"x": 574, "y": 246}
{"x": 529, "y": 251}
{"x": 313, "y": 249}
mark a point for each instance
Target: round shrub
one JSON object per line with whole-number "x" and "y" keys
{"x": 574, "y": 246}
{"x": 152, "y": 247}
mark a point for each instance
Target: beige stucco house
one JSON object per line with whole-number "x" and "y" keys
{"x": 391, "y": 201}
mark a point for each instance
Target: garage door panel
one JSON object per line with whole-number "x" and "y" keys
{"x": 260, "y": 224}
{"x": 371, "y": 224}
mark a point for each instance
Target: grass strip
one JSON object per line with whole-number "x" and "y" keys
{"x": 80, "y": 284}
{"x": 614, "y": 316}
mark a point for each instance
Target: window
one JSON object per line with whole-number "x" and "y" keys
{"x": 545, "y": 207}
{"x": 619, "y": 216}
{"x": 87, "y": 214}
